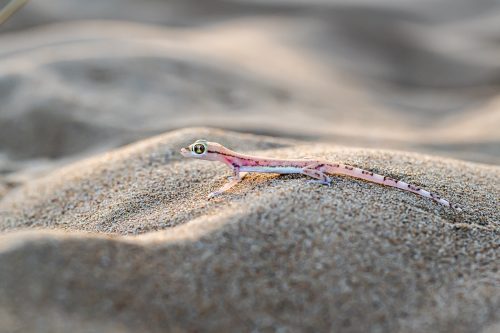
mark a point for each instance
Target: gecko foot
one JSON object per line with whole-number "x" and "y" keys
{"x": 233, "y": 181}
{"x": 213, "y": 195}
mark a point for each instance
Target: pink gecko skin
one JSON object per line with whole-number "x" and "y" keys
{"x": 241, "y": 164}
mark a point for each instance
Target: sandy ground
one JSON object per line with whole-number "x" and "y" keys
{"x": 105, "y": 228}
{"x": 274, "y": 253}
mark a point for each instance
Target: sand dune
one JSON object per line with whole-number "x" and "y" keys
{"x": 154, "y": 167}
{"x": 273, "y": 253}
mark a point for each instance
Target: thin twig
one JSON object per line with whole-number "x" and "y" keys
{"x": 10, "y": 9}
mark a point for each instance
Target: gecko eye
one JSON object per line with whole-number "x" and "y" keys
{"x": 199, "y": 148}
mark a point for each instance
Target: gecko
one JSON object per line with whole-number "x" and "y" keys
{"x": 320, "y": 170}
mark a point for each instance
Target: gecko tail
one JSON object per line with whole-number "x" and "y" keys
{"x": 388, "y": 181}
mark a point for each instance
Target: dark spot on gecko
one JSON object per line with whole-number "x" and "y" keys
{"x": 414, "y": 188}
{"x": 435, "y": 196}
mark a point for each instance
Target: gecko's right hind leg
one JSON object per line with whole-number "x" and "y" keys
{"x": 320, "y": 176}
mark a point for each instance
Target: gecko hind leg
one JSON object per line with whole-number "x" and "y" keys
{"x": 321, "y": 177}
{"x": 232, "y": 181}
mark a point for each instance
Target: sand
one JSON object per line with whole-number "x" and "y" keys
{"x": 137, "y": 247}
{"x": 104, "y": 227}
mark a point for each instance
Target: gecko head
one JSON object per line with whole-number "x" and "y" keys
{"x": 201, "y": 149}
{"x": 197, "y": 149}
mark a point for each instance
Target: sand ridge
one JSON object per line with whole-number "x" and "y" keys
{"x": 151, "y": 177}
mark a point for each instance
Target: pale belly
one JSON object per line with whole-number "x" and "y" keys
{"x": 282, "y": 170}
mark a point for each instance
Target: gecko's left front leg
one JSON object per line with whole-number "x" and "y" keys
{"x": 315, "y": 172}
{"x": 233, "y": 180}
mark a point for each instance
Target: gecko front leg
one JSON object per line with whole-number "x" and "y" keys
{"x": 314, "y": 171}
{"x": 233, "y": 180}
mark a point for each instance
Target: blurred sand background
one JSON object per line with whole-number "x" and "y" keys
{"x": 97, "y": 237}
